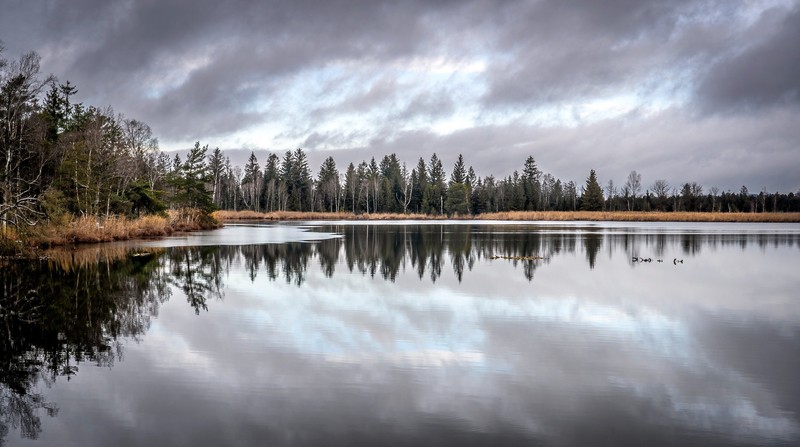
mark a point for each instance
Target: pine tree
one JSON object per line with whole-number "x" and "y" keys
{"x": 419, "y": 180}
{"x": 459, "y": 174}
{"x": 458, "y": 192}
{"x": 531, "y": 184}
{"x": 286, "y": 188}
{"x": 54, "y": 113}
{"x": 251, "y": 183}
{"x": 350, "y": 188}
{"x": 301, "y": 181}
{"x": 191, "y": 184}
{"x": 269, "y": 184}
{"x": 592, "y": 199}
{"x": 216, "y": 166}
{"x": 392, "y": 184}
{"x": 328, "y": 185}
{"x": 433, "y": 195}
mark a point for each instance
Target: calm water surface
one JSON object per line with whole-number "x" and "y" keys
{"x": 409, "y": 334}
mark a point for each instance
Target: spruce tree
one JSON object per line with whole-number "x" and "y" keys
{"x": 269, "y": 184}
{"x": 216, "y": 166}
{"x": 459, "y": 174}
{"x": 191, "y": 184}
{"x": 458, "y": 192}
{"x": 251, "y": 183}
{"x": 592, "y": 194}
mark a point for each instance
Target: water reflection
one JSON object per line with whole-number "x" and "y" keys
{"x": 75, "y": 308}
{"x": 412, "y": 334}
{"x": 386, "y": 250}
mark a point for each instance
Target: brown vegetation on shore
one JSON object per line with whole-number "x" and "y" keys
{"x": 87, "y": 229}
{"x": 618, "y": 216}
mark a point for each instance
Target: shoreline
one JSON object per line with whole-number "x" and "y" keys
{"x": 89, "y": 230}
{"x": 92, "y": 230}
{"x": 547, "y": 216}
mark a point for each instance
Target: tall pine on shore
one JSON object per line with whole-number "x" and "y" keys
{"x": 592, "y": 194}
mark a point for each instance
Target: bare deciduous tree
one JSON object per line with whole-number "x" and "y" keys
{"x": 633, "y": 186}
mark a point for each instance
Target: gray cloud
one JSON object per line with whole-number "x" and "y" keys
{"x": 755, "y": 152}
{"x": 208, "y": 71}
{"x": 428, "y": 105}
{"x": 763, "y": 74}
{"x": 726, "y": 152}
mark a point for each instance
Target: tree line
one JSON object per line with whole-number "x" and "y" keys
{"x": 287, "y": 183}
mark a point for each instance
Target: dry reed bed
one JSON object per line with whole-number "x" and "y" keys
{"x": 106, "y": 229}
{"x": 618, "y": 216}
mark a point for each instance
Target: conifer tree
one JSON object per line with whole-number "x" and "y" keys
{"x": 251, "y": 183}
{"x": 592, "y": 194}
{"x": 191, "y": 183}
{"x": 458, "y": 192}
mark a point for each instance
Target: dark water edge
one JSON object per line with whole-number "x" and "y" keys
{"x": 409, "y": 334}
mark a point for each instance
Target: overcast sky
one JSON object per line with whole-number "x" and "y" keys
{"x": 705, "y": 91}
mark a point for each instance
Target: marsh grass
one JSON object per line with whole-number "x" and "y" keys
{"x": 618, "y": 216}
{"x": 88, "y": 229}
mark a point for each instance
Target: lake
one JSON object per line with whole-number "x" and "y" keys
{"x": 409, "y": 333}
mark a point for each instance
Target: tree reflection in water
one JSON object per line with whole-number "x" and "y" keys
{"x": 57, "y": 313}
{"x": 76, "y": 308}
{"x": 385, "y": 250}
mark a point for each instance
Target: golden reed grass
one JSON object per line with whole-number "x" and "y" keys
{"x": 618, "y": 216}
{"x": 102, "y": 229}
{"x": 93, "y": 229}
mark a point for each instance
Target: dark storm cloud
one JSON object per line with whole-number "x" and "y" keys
{"x": 670, "y": 145}
{"x": 542, "y": 51}
{"x": 763, "y": 74}
{"x": 206, "y": 70}
{"x": 120, "y": 51}
{"x": 563, "y": 51}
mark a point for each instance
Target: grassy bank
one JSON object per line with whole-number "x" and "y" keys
{"x": 88, "y": 229}
{"x": 618, "y": 216}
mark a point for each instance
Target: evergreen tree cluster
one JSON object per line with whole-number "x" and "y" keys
{"x": 60, "y": 158}
{"x": 388, "y": 186}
